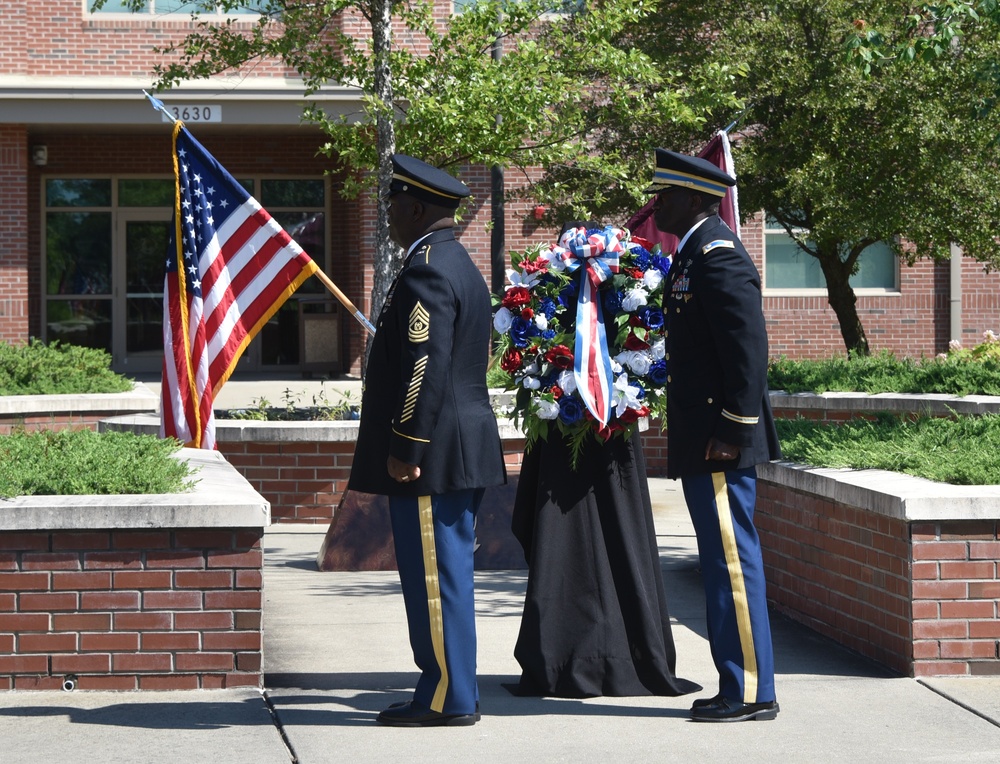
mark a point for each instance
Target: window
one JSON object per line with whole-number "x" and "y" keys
{"x": 104, "y": 245}
{"x": 559, "y": 7}
{"x": 184, "y": 7}
{"x": 788, "y": 266}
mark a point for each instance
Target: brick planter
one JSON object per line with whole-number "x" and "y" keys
{"x": 301, "y": 468}
{"x": 158, "y": 592}
{"x": 60, "y": 412}
{"x": 901, "y": 569}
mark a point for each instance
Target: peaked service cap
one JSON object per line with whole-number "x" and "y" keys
{"x": 426, "y": 182}
{"x": 673, "y": 169}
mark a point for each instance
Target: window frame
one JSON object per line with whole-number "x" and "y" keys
{"x": 766, "y": 291}
{"x": 149, "y": 14}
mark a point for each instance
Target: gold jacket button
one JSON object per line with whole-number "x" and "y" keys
{"x": 709, "y": 400}
{"x": 666, "y": 357}
{"x": 669, "y": 378}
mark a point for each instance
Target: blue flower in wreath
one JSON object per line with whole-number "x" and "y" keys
{"x": 547, "y": 306}
{"x": 612, "y": 302}
{"x": 652, "y": 318}
{"x": 658, "y": 373}
{"x": 549, "y": 334}
{"x": 521, "y": 331}
{"x": 661, "y": 263}
{"x": 570, "y": 409}
{"x": 567, "y": 296}
{"x": 641, "y": 258}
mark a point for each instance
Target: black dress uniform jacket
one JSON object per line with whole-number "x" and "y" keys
{"x": 425, "y": 400}
{"x": 716, "y": 349}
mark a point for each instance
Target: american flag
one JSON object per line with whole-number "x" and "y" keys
{"x": 229, "y": 268}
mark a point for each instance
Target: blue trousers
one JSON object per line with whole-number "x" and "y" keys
{"x": 434, "y": 538}
{"x": 721, "y": 505}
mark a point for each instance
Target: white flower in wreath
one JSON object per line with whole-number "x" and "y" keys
{"x": 567, "y": 381}
{"x": 633, "y": 300}
{"x": 624, "y": 396}
{"x": 545, "y": 409}
{"x": 520, "y": 278}
{"x": 502, "y": 320}
{"x": 555, "y": 262}
{"x": 531, "y": 383}
{"x": 532, "y": 367}
{"x": 616, "y": 368}
{"x": 658, "y": 349}
{"x": 652, "y": 278}
{"x": 636, "y": 361}
{"x": 541, "y": 321}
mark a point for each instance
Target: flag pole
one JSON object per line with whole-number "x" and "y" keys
{"x": 335, "y": 291}
{"x": 333, "y": 288}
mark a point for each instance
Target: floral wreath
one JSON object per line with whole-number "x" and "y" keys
{"x": 580, "y": 330}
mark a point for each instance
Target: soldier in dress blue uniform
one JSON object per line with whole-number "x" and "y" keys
{"x": 719, "y": 424}
{"x": 428, "y": 438}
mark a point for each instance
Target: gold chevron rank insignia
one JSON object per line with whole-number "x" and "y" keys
{"x": 420, "y": 324}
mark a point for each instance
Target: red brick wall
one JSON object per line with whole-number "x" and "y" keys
{"x": 305, "y": 480}
{"x": 13, "y": 231}
{"x": 921, "y": 598}
{"x": 131, "y": 610}
{"x": 76, "y": 421}
{"x": 840, "y": 570}
{"x": 956, "y": 598}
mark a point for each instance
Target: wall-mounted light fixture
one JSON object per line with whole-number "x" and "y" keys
{"x": 40, "y": 155}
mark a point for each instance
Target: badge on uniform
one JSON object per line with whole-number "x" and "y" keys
{"x": 716, "y": 244}
{"x": 681, "y": 284}
{"x": 420, "y": 324}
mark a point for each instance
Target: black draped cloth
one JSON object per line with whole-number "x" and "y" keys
{"x": 595, "y": 613}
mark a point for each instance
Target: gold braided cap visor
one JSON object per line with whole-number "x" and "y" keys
{"x": 663, "y": 178}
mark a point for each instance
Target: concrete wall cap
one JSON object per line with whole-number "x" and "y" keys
{"x": 220, "y": 498}
{"x": 141, "y": 398}
{"x": 892, "y": 494}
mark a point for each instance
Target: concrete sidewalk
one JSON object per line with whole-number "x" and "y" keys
{"x": 336, "y": 653}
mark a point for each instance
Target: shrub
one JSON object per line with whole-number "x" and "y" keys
{"x": 35, "y": 368}
{"x": 84, "y": 462}
{"x": 960, "y": 450}
{"x": 975, "y": 371}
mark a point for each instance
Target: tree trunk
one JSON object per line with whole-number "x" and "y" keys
{"x": 388, "y": 257}
{"x": 842, "y": 299}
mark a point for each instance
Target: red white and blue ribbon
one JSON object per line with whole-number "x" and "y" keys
{"x": 598, "y": 253}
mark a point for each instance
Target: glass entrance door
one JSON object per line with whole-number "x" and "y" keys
{"x": 142, "y": 238}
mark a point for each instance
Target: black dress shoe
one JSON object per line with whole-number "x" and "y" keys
{"x": 405, "y": 702}
{"x": 703, "y": 702}
{"x": 413, "y": 714}
{"x": 724, "y": 710}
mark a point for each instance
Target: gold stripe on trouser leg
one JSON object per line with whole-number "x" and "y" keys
{"x": 738, "y": 585}
{"x": 434, "y": 612}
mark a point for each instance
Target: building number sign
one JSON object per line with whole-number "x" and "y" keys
{"x": 199, "y": 113}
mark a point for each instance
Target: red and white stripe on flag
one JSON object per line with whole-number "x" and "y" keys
{"x": 229, "y": 268}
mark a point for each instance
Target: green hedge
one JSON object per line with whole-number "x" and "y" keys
{"x": 35, "y": 368}
{"x": 84, "y": 462}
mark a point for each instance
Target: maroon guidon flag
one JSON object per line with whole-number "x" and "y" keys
{"x": 716, "y": 151}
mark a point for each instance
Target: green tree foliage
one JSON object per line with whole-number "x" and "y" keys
{"x": 839, "y": 157}
{"x": 431, "y": 87}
